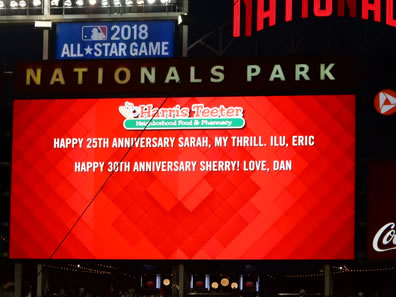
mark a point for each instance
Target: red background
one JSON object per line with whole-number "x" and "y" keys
{"x": 306, "y": 213}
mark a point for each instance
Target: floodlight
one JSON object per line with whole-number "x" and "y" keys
{"x": 165, "y": 1}
{"x": 22, "y": 3}
{"x": 234, "y": 285}
{"x": 104, "y": 3}
{"x": 140, "y": 2}
{"x": 2, "y": 5}
{"x": 92, "y": 2}
{"x": 80, "y": 2}
{"x": 166, "y": 282}
{"x": 128, "y": 2}
{"x": 43, "y": 24}
{"x": 225, "y": 282}
{"x": 13, "y": 4}
{"x": 116, "y": 2}
{"x": 150, "y": 1}
{"x": 67, "y": 3}
{"x": 54, "y": 2}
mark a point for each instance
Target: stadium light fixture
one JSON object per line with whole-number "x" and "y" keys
{"x": 43, "y": 24}
{"x": 13, "y": 4}
{"x": 225, "y": 282}
{"x": 166, "y": 282}
{"x": 234, "y": 285}
{"x": 72, "y": 9}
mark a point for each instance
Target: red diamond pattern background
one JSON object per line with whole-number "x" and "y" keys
{"x": 305, "y": 213}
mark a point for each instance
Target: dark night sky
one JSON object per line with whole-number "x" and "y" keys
{"x": 318, "y": 36}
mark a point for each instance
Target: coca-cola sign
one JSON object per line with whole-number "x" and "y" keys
{"x": 385, "y": 239}
{"x": 381, "y": 214}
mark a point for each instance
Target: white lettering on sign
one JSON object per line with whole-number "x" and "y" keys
{"x": 126, "y": 32}
{"x": 122, "y": 49}
{"x": 71, "y": 51}
{"x": 386, "y": 235}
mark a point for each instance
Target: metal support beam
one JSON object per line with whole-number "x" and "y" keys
{"x": 181, "y": 280}
{"x": 47, "y": 7}
{"x": 89, "y": 17}
{"x": 39, "y": 280}
{"x": 185, "y": 40}
{"x": 328, "y": 279}
{"x": 185, "y": 32}
{"x": 45, "y": 44}
{"x": 18, "y": 280}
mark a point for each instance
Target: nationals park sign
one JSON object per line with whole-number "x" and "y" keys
{"x": 183, "y": 76}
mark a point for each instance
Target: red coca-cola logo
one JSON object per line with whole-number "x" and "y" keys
{"x": 385, "y": 239}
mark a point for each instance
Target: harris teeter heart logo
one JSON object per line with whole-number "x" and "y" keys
{"x": 199, "y": 116}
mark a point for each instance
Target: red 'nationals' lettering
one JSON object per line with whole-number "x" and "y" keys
{"x": 267, "y": 10}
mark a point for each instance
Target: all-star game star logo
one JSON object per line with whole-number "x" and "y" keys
{"x": 385, "y": 102}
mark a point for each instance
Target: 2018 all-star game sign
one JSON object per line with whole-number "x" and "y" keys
{"x": 110, "y": 40}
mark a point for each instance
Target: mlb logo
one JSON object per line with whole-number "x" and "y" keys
{"x": 94, "y": 33}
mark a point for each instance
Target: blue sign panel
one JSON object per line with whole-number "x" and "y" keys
{"x": 121, "y": 40}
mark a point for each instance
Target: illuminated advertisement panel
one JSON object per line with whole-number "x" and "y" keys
{"x": 263, "y": 177}
{"x": 381, "y": 214}
{"x": 115, "y": 40}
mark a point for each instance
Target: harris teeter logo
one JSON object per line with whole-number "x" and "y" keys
{"x": 199, "y": 116}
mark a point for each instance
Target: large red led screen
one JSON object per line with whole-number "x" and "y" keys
{"x": 184, "y": 178}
